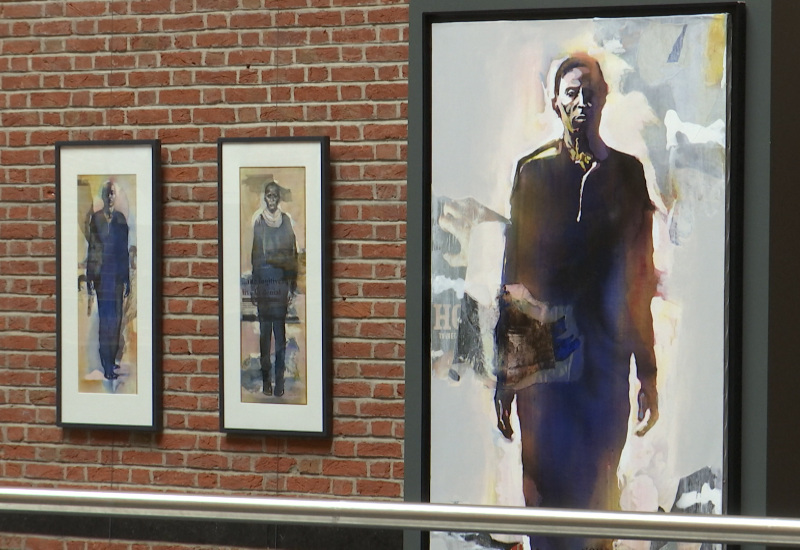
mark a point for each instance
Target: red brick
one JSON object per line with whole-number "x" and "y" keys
{"x": 20, "y": 46}
{"x": 308, "y": 485}
{"x": 148, "y": 458}
{"x": 20, "y": 118}
{"x": 42, "y": 471}
{"x": 351, "y": 389}
{"x": 382, "y": 428}
{"x": 117, "y": 98}
{"x": 207, "y": 461}
{"x": 385, "y": 131}
{"x": 211, "y": 77}
{"x": 241, "y": 481}
{"x": 381, "y": 470}
{"x": 52, "y": 63}
{"x": 349, "y": 428}
{"x": 22, "y": 10}
{"x": 385, "y": 489}
{"x": 187, "y": 23}
{"x": 274, "y": 464}
{"x": 342, "y": 487}
{"x": 351, "y": 270}
{"x": 316, "y": 93}
{"x": 380, "y": 251}
{"x": 149, "y": 78}
{"x": 173, "y": 477}
{"x": 382, "y": 330}
{"x": 353, "y": 74}
{"x": 354, "y": 35}
{"x": 382, "y": 409}
{"x": 385, "y": 289}
{"x": 344, "y": 468}
{"x": 86, "y": 44}
{"x": 150, "y": 6}
{"x": 85, "y": 9}
{"x": 382, "y": 449}
{"x": 217, "y": 39}
{"x": 148, "y": 116}
{"x": 214, "y": 115}
{"x": 246, "y": 95}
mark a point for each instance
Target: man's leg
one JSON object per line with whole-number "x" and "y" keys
{"x": 105, "y": 333}
{"x": 571, "y": 442}
{"x": 279, "y": 327}
{"x": 114, "y": 340}
{"x": 265, "y": 338}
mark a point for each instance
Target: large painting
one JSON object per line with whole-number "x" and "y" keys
{"x": 274, "y": 285}
{"x": 108, "y": 326}
{"x": 580, "y": 213}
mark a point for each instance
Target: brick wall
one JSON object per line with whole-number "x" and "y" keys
{"x": 188, "y": 72}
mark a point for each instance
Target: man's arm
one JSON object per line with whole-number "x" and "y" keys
{"x": 294, "y": 262}
{"x": 502, "y": 408}
{"x": 125, "y": 256}
{"x": 641, "y": 281}
{"x": 504, "y": 394}
{"x": 256, "y": 259}
{"x": 92, "y": 252}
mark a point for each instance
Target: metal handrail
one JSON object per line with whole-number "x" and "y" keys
{"x": 403, "y": 515}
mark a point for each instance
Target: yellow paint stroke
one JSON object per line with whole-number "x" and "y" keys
{"x": 715, "y": 50}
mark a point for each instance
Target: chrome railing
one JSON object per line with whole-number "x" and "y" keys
{"x": 402, "y": 515}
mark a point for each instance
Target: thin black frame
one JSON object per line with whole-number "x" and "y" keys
{"x": 113, "y": 151}
{"x": 423, "y": 16}
{"x": 319, "y": 399}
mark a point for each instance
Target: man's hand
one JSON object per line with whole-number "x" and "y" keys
{"x": 502, "y": 406}
{"x": 648, "y": 409}
{"x": 255, "y": 291}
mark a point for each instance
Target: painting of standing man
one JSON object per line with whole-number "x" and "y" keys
{"x": 274, "y": 261}
{"x": 108, "y": 327}
{"x": 273, "y": 301}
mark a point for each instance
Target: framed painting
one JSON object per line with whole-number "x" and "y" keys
{"x": 108, "y": 336}
{"x": 274, "y": 283}
{"x": 580, "y": 202}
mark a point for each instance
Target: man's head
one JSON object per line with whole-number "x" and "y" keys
{"x": 580, "y": 93}
{"x": 272, "y": 196}
{"x": 109, "y": 195}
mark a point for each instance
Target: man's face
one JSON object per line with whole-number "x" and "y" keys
{"x": 579, "y": 100}
{"x": 109, "y": 194}
{"x": 271, "y": 197}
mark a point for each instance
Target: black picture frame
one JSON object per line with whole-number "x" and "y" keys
{"x": 117, "y": 385}
{"x": 422, "y": 202}
{"x": 288, "y": 296}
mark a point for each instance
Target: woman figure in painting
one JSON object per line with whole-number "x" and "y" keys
{"x": 108, "y": 275}
{"x": 274, "y": 261}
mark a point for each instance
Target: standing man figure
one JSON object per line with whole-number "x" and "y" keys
{"x": 274, "y": 261}
{"x": 108, "y": 275}
{"x": 578, "y": 269}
